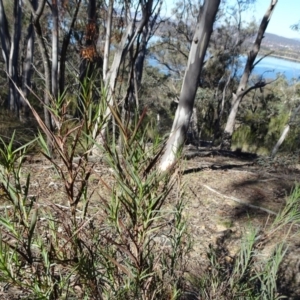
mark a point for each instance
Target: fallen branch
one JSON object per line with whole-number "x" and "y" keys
{"x": 240, "y": 201}
{"x": 215, "y": 167}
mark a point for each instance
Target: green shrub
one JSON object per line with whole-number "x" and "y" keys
{"x": 133, "y": 244}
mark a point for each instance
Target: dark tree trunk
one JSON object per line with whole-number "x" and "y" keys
{"x": 90, "y": 59}
{"x": 138, "y": 58}
{"x": 64, "y": 48}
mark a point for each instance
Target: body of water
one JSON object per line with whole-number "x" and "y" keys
{"x": 269, "y": 68}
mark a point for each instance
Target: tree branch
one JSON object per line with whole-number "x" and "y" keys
{"x": 264, "y": 56}
{"x": 258, "y": 85}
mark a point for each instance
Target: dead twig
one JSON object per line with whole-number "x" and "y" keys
{"x": 240, "y": 201}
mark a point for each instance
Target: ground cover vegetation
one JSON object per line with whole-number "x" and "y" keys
{"x": 100, "y": 197}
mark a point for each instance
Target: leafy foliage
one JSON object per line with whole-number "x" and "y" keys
{"x": 127, "y": 247}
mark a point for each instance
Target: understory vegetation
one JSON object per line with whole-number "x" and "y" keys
{"x": 94, "y": 106}
{"x": 127, "y": 239}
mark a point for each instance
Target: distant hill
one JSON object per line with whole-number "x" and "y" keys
{"x": 279, "y": 46}
{"x": 276, "y": 42}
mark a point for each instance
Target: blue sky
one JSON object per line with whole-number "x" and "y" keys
{"x": 286, "y": 13}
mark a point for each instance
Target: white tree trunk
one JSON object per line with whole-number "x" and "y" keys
{"x": 27, "y": 64}
{"x": 27, "y": 69}
{"x": 4, "y": 35}
{"x": 110, "y": 86}
{"x": 284, "y": 132}
{"x": 55, "y": 33}
{"x": 127, "y": 42}
{"x": 281, "y": 140}
{"x": 14, "y": 103}
{"x": 242, "y": 88}
{"x": 107, "y": 39}
{"x": 190, "y": 84}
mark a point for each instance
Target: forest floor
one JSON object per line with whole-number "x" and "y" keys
{"x": 225, "y": 192}
{"x": 228, "y": 192}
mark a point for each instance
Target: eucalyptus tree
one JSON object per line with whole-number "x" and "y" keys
{"x": 243, "y": 88}
{"x": 62, "y": 21}
{"x": 55, "y": 21}
{"x": 16, "y": 29}
{"x": 229, "y": 41}
{"x": 89, "y": 56}
{"x": 175, "y": 38}
{"x": 135, "y": 17}
{"x": 107, "y": 38}
{"x": 68, "y": 32}
{"x": 137, "y": 57}
{"x": 5, "y": 35}
{"x": 218, "y": 77}
{"x": 27, "y": 63}
{"x": 10, "y": 43}
{"x": 285, "y": 117}
{"x": 203, "y": 30}
{"x": 14, "y": 55}
{"x": 37, "y": 14}
{"x": 90, "y": 59}
{"x": 285, "y": 132}
{"x": 55, "y": 49}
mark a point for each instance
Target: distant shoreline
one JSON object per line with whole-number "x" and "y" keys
{"x": 283, "y": 57}
{"x": 286, "y": 58}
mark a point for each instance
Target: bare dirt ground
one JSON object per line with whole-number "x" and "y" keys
{"x": 228, "y": 192}
{"x": 225, "y": 192}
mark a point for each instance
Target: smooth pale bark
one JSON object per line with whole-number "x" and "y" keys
{"x": 55, "y": 33}
{"x": 218, "y": 120}
{"x": 285, "y": 132}
{"x": 5, "y": 44}
{"x": 10, "y": 52}
{"x": 193, "y": 132}
{"x": 4, "y": 35}
{"x": 27, "y": 68}
{"x": 27, "y": 64}
{"x": 137, "y": 59}
{"x": 127, "y": 42}
{"x": 111, "y": 83}
{"x": 242, "y": 88}
{"x": 14, "y": 99}
{"x": 239, "y": 41}
{"x": 190, "y": 84}
{"x": 281, "y": 140}
{"x": 107, "y": 39}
